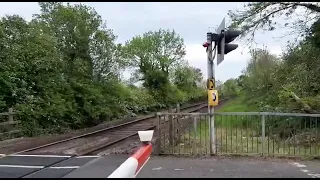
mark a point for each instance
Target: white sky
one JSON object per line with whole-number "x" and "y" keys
{"x": 190, "y": 19}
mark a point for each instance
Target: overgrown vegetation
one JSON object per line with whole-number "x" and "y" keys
{"x": 62, "y": 70}
{"x": 289, "y": 83}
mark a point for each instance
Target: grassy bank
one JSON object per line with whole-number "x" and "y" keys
{"x": 237, "y": 105}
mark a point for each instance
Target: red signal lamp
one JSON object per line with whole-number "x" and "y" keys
{"x": 206, "y": 44}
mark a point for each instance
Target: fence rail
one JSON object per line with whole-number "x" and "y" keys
{"x": 4, "y": 129}
{"x": 263, "y": 133}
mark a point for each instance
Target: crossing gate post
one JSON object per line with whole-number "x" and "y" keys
{"x": 170, "y": 127}
{"x": 178, "y": 125}
{"x": 158, "y": 137}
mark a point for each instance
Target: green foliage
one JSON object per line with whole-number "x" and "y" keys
{"x": 287, "y": 84}
{"x": 238, "y": 104}
{"x": 62, "y": 70}
{"x": 158, "y": 56}
{"x": 290, "y": 83}
{"x": 230, "y": 89}
{"x": 186, "y": 77}
{"x": 263, "y": 15}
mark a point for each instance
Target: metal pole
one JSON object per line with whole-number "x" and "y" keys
{"x": 211, "y": 75}
{"x": 263, "y": 126}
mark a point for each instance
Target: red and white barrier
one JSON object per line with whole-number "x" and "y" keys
{"x": 132, "y": 166}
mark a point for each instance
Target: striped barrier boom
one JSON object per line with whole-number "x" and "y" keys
{"x": 133, "y": 165}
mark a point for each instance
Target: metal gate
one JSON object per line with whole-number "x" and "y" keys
{"x": 241, "y": 133}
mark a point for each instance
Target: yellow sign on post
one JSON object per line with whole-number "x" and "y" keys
{"x": 213, "y": 97}
{"x": 211, "y": 84}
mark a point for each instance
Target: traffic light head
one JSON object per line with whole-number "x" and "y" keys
{"x": 223, "y": 44}
{"x": 231, "y": 35}
{"x": 229, "y": 47}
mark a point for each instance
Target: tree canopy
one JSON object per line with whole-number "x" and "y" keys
{"x": 297, "y": 16}
{"x": 289, "y": 82}
{"x": 62, "y": 70}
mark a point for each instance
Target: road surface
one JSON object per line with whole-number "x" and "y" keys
{"x": 41, "y": 166}
{"x": 219, "y": 167}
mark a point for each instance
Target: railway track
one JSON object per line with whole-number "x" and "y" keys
{"x": 91, "y": 143}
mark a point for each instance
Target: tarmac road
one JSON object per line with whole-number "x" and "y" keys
{"x": 41, "y": 166}
{"x": 214, "y": 167}
{"x": 219, "y": 167}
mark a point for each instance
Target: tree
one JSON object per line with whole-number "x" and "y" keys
{"x": 262, "y": 15}
{"x": 155, "y": 55}
{"x": 106, "y": 56}
{"x": 61, "y": 70}
{"x": 314, "y": 34}
{"x": 87, "y": 44}
{"x": 230, "y": 89}
{"x": 187, "y": 78}
{"x": 32, "y": 75}
{"x": 259, "y": 70}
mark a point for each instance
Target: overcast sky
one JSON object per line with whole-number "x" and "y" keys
{"x": 189, "y": 19}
